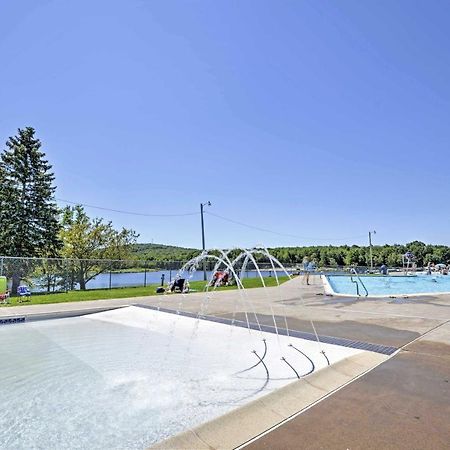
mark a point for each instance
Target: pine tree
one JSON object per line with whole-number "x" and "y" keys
{"x": 29, "y": 223}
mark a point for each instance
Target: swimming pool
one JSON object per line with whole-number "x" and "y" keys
{"x": 387, "y": 286}
{"x": 131, "y": 377}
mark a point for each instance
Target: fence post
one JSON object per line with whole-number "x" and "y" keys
{"x": 145, "y": 273}
{"x": 1, "y": 266}
{"x": 66, "y": 276}
{"x": 110, "y": 276}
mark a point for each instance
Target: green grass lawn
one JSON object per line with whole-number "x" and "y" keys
{"x": 102, "y": 294}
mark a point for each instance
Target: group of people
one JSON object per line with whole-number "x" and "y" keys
{"x": 310, "y": 266}
{"x": 220, "y": 278}
{"x": 443, "y": 269}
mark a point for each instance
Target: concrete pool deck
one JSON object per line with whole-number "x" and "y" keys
{"x": 399, "y": 402}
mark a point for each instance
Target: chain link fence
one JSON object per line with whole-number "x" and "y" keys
{"x": 52, "y": 275}
{"x": 48, "y": 275}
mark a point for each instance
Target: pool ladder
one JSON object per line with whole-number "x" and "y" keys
{"x": 357, "y": 285}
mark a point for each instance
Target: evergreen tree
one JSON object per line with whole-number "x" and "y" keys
{"x": 28, "y": 214}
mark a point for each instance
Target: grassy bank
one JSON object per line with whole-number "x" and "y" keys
{"x": 129, "y": 292}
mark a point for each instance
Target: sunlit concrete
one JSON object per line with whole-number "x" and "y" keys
{"x": 418, "y": 326}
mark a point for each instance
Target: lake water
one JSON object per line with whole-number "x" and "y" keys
{"x": 133, "y": 279}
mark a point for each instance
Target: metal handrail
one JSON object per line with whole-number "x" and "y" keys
{"x": 357, "y": 285}
{"x": 359, "y": 278}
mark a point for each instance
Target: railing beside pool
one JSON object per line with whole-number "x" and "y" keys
{"x": 362, "y": 284}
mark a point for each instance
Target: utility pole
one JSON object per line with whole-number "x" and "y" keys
{"x": 370, "y": 249}
{"x": 202, "y": 205}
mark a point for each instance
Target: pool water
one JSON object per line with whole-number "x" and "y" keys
{"x": 391, "y": 285}
{"x": 130, "y": 377}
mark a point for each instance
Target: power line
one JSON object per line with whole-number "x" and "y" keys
{"x": 133, "y": 213}
{"x": 265, "y": 230}
{"x": 227, "y": 219}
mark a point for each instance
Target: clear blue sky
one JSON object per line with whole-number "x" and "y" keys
{"x": 316, "y": 119}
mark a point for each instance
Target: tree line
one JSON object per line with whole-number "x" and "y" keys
{"x": 327, "y": 255}
{"x": 345, "y": 255}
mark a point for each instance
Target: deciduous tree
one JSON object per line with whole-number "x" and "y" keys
{"x": 90, "y": 243}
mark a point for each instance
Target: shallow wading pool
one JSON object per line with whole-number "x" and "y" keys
{"x": 131, "y": 377}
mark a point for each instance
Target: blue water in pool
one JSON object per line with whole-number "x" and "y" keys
{"x": 391, "y": 285}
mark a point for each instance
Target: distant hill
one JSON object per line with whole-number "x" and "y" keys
{"x": 160, "y": 252}
{"x": 324, "y": 255}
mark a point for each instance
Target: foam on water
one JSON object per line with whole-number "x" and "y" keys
{"x": 131, "y": 377}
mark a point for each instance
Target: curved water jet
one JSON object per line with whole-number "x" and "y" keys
{"x": 259, "y": 362}
{"x": 286, "y": 361}
{"x": 313, "y": 367}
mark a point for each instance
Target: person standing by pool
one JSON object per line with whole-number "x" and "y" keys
{"x": 305, "y": 264}
{"x": 310, "y": 268}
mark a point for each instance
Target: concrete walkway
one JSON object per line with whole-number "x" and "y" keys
{"x": 403, "y": 403}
